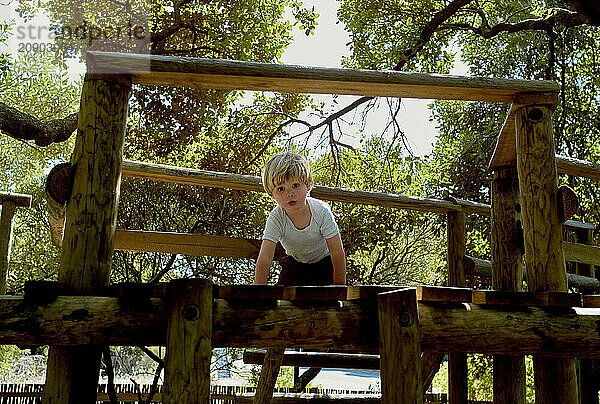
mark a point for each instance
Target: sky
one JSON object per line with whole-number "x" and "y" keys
{"x": 326, "y": 47}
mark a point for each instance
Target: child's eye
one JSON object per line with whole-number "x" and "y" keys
{"x": 280, "y": 189}
{"x": 295, "y": 185}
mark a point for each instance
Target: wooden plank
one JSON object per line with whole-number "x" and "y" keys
{"x": 443, "y": 294}
{"x": 251, "y": 292}
{"x": 206, "y": 178}
{"x": 317, "y": 359}
{"x": 591, "y": 300}
{"x": 551, "y": 299}
{"x": 188, "y": 244}
{"x": 19, "y": 200}
{"x": 189, "y": 348}
{"x": 233, "y": 74}
{"x": 509, "y": 298}
{"x": 400, "y": 348}
{"x": 586, "y": 254}
{"x": 369, "y": 292}
{"x": 72, "y": 372}
{"x": 333, "y": 292}
{"x": 6, "y": 232}
{"x": 564, "y": 299}
{"x": 575, "y": 225}
{"x": 578, "y": 168}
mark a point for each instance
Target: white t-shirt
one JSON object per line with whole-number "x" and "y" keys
{"x": 307, "y": 245}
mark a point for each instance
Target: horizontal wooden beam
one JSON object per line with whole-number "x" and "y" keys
{"x": 577, "y": 168}
{"x": 190, "y": 176}
{"x": 21, "y": 200}
{"x": 444, "y": 327}
{"x": 187, "y": 244}
{"x": 301, "y": 398}
{"x": 317, "y": 359}
{"x": 242, "y": 75}
{"x": 582, "y": 253}
{"x": 480, "y": 267}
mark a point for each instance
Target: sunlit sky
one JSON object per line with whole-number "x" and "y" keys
{"x": 326, "y": 48}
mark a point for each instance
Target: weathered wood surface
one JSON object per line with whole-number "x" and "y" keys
{"x": 547, "y": 299}
{"x": 443, "y": 294}
{"x": 568, "y": 202}
{"x": 252, "y": 292}
{"x": 578, "y": 168}
{"x": 86, "y": 257}
{"x": 6, "y": 232}
{"x": 268, "y": 375}
{"x": 542, "y": 227}
{"x": 189, "y": 348}
{"x": 291, "y": 398}
{"x": 506, "y": 266}
{"x": 334, "y": 292}
{"x": 479, "y": 267}
{"x": 585, "y": 254}
{"x": 20, "y": 200}
{"x": 505, "y": 152}
{"x": 575, "y": 225}
{"x": 232, "y": 74}
{"x": 458, "y": 378}
{"x": 542, "y": 233}
{"x": 349, "y": 325}
{"x": 400, "y": 347}
{"x": 59, "y": 184}
{"x": 187, "y": 244}
{"x": 317, "y": 359}
{"x": 235, "y": 247}
{"x": 216, "y": 179}
{"x": 366, "y": 292}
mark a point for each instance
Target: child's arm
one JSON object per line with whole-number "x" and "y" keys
{"x": 264, "y": 261}
{"x": 338, "y": 258}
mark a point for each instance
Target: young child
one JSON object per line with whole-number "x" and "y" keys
{"x": 305, "y": 227}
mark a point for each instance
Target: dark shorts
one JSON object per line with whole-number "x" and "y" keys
{"x": 295, "y": 273}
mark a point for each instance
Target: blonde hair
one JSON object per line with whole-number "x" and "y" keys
{"x": 285, "y": 166}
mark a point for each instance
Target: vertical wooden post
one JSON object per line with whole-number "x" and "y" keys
{"x": 189, "y": 335}
{"x": 555, "y": 379}
{"x": 268, "y": 375}
{"x": 6, "y": 220}
{"x": 507, "y": 275}
{"x": 86, "y": 259}
{"x": 400, "y": 347}
{"x": 589, "y": 369}
{"x": 9, "y": 201}
{"x": 458, "y": 381}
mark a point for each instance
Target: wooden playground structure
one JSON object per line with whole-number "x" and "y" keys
{"x": 410, "y": 328}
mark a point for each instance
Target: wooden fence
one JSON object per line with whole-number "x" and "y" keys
{"x": 126, "y": 393}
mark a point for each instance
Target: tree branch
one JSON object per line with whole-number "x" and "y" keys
{"x": 20, "y": 125}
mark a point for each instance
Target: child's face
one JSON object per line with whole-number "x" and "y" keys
{"x": 291, "y": 195}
